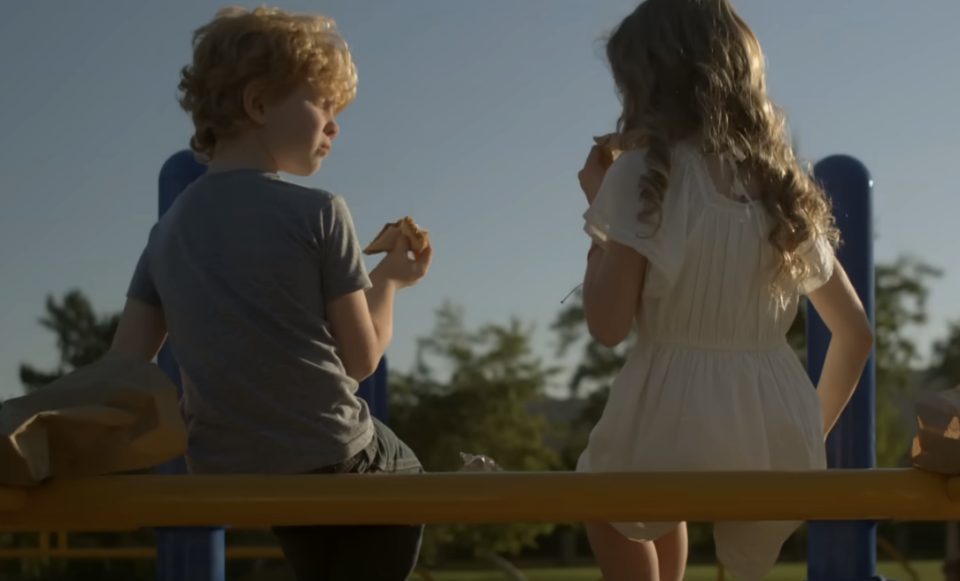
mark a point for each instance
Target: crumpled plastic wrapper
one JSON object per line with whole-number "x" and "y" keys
{"x": 478, "y": 463}
{"x": 936, "y": 447}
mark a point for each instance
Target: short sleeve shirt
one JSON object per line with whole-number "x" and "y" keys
{"x": 244, "y": 266}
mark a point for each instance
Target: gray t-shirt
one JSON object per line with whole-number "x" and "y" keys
{"x": 244, "y": 266}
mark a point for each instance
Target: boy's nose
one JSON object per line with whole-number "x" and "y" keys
{"x": 332, "y": 129}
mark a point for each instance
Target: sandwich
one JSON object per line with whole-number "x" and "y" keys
{"x": 613, "y": 144}
{"x": 386, "y": 240}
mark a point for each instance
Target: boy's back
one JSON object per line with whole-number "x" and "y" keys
{"x": 262, "y": 288}
{"x": 245, "y": 263}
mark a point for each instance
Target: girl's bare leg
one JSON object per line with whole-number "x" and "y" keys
{"x": 621, "y": 559}
{"x": 672, "y": 554}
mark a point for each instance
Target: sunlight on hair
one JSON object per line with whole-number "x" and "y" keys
{"x": 239, "y": 46}
{"x": 693, "y": 69}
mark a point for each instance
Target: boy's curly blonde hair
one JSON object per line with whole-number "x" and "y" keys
{"x": 687, "y": 68}
{"x": 239, "y": 46}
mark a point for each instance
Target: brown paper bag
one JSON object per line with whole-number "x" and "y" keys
{"x": 936, "y": 447}
{"x": 113, "y": 416}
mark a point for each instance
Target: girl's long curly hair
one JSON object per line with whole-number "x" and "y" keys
{"x": 693, "y": 68}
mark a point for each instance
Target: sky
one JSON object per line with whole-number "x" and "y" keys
{"x": 472, "y": 116}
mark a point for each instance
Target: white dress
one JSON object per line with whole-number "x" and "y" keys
{"x": 711, "y": 383}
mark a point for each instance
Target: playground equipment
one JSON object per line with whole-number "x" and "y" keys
{"x": 119, "y": 503}
{"x": 844, "y": 502}
{"x": 847, "y": 550}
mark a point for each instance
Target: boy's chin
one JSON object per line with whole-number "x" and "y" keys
{"x": 305, "y": 169}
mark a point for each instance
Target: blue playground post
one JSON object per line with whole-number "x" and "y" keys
{"x": 847, "y": 551}
{"x": 373, "y": 390}
{"x": 197, "y": 554}
{"x": 184, "y": 554}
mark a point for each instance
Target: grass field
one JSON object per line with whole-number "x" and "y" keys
{"x": 926, "y": 571}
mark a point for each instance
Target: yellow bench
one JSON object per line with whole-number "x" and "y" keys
{"x": 118, "y": 503}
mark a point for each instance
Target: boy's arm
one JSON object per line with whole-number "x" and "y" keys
{"x": 350, "y": 300}
{"x": 380, "y": 299}
{"x": 362, "y": 322}
{"x": 360, "y": 307}
{"x": 142, "y": 328}
{"x": 140, "y": 333}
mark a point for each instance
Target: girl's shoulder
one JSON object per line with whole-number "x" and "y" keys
{"x": 635, "y": 156}
{"x": 632, "y": 164}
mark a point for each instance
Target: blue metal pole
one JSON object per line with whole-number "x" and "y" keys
{"x": 184, "y": 554}
{"x": 191, "y": 554}
{"x": 847, "y": 551}
{"x": 380, "y": 389}
{"x": 179, "y": 171}
{"x": 373, "y": 390}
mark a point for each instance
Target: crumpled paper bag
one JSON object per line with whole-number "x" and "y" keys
{"x": 936, "y": 447}
{"x": 116, "y": 415}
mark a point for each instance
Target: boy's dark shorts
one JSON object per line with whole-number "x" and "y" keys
{"x": 382, "y": 552}
{"x": 385, "y": 453}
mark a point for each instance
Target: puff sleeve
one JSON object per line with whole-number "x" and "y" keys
{"x": 614, "y": 216}
{"x": 819, "y": 256}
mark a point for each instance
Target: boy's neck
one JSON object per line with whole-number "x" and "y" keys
{"x": 241, "y": 154}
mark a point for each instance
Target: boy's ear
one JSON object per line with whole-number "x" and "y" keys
{"x": 254, "y": 101}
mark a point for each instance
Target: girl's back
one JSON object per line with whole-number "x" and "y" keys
{"x": 710, "y": 270}
{"x": 710, "y": 383}
{"x": 710, "y": 259}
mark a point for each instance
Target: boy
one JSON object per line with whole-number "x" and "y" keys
{"x": 262, "y": 287}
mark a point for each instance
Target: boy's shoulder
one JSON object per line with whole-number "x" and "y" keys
{"x": 261, "y": 193}
{"x": 297, "y": 192}
{"x": 299, "y": 200}
{"x": 273, "y": 189}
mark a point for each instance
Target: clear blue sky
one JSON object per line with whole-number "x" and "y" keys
{"x": 473, "y": 116}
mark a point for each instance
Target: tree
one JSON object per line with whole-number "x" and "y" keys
{"x": 946, "y": 368}
{"x": 901, "y": 303}
{"x": 471, "y": 391}
{"x": 946, "y": 356}
{"x": 83, "y": 337}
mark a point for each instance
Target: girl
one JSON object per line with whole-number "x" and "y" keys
{"x": 706, "y": 237}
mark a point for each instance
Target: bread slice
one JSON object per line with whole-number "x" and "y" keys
{"x": 613, "y": 144}
{"x": 386, "y": 240}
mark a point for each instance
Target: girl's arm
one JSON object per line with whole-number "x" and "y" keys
{"x": 852, "y": 340}
{"x": 611, "y": 291}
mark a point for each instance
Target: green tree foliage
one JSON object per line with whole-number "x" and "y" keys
{"x": 471, "y": 391}
{"x": 901, "y": 305}
{"x": 946, "y": 367}
{"x": 83, "y": 337}
{"x": 946, "y": 356}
